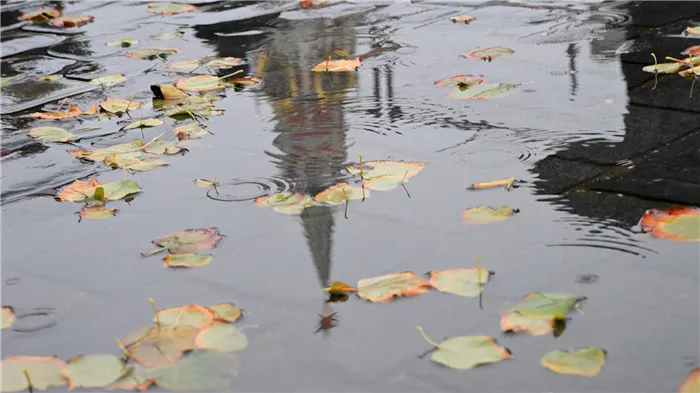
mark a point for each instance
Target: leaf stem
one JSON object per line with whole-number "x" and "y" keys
{"x": 156, "y": 251}
{"x": 155, "y": 311}
{"x": 230, "y": 75}
{"x": 656, "y": 72}
{"x": 152, "y": 140}
{"x": 362, "y": 173}
{"x": 29, "y": 380}
{"x": 123, "y": 348}
{"x": 426, "y": 338}
{"x": 61, "y": 106}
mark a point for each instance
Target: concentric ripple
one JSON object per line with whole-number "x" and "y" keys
{"x": 241, "y": 190}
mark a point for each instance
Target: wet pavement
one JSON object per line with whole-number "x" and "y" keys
{"x": 592, "y": 143}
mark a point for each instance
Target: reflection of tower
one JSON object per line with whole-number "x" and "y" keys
{"x": 311, "y": 126}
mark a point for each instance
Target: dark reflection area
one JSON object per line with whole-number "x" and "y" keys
{"x": 572, "y": 52}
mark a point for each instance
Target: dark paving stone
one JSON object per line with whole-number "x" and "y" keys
{"x": 660, "y": 45}
{"x": 672, "y": 92}
{"x": 634, "y": 75}
{"x": 659, "y": 13}
{"x": 557, "y": 175}
{"x": 649, "y": 187}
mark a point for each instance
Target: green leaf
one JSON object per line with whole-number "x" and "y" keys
{"x": 101, "y": 153}
{"x": 462, "y": 282}
{"x": 119, "y": 189}
{"x": 463, "y": 80}
{"x": 117, "y": 105}
{"x": 664, "y": 68}
{"x": 136, "y": 378}
{"x": 187, "y": 113}
{"x": 144, "y": 123}
{"x": 187, "y": 260}
{"x": 148, "y": 164}
{"x": 582, "y": 361}
{"x": 152, "y": 53}
{"x": 228, "y": 312}
{"x": 201, "y": 370}
{"x": 44, "y": 373}
{"x": 51, "y": 134}
{"x": 99, "y": 194}
{"x": 516, "y": 323}
{"x": 482, "y": 91}
{"x": 465, "y": 352}
{"x": 124, "y": 42}
{"x": 93, "y": 371}
{"x": 162, "y": 147}
{"x": 109, "y": 80}
{"x": 221, "y": 337}
{"x": 486, "y": 215}
{"x": 401, "y": 169}
{"x": 556, "y": 305}
{"x": 285, "y": 202}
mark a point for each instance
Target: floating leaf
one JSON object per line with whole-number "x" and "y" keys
{"x": 465, "y": 352}
{"x": 148, "y": 164}
{"x": 206, "y": 183}
{"x": 517, "y": 323}
{"x": 384, "y": 182}
{"x": 486, "y": 215}
{"x": 340, "y": 193}
{"x": 109, "y": 80}
{"x": 489, "y": 53}
{"x": 190, "y": 241}
{"x": 312, "y": 3}
{"x": 384, "y": 288}
{"x": 152, "y": 53}
{"x": 71, "y": 20}
{"x": 693, "y": 30}
{"x": 144, "y": 123}
{"x": 162, "y": 147}
{"x": 338, "y": 65}
{"x": 41, "y": 14}
{"x": 93, "y": 371}
{"x": 339, "y": 287}
{"x": 187, "y": 113}
{"x": 554, "y": 305}
{"x": 6, "y": 80}
{"x": 582, "y": 361}
{"x": 136, "y": 378}
{"x": 200, "y": 83}
{"x": 221, "y": 337}
{"x": 49, "y": 78}
{"x": 97, "y": 212}
{"x": 189, "y": 315}
{"x": 380, "y": 168}
{"x": 123, "y": 42}
{"x": 190, "y": 131}
{"x": 222, "y": 62}
{"x": 168, "y": 35}
{"x": 201, "y": 370}
{"x": 7, "y": 317}
{"x": 462, "y": 19}
{"x": 101, "y": 153}
{"x": 482, "y": 91}
{"x": 120, "y": 189}
{"x": 507, "y": 183}
{"x": 285, "y": 202}
{"x": 168, "y": 92}
{"x": 462, "y": 282}
{"x": 664, "y": 68}
{"x": 227, "y": 312}
{"x": 117, "y": 105}
{"x": 78, "y": 191}
{"x": 692, "y": 50}
{"x": 187, "y": 260}
{"x": 44, "y": 372}
{"x": 185, "y": 65}
{"x": 244, "y": 81}
{"x": 51, "y": 134}
{"x": 73, "y": 111}
{"x": 162, "y": 345}
{"x": 691, "y": 384}
{"x": 91, "y": 111}
{"x": 679, "y": 223}
{"x": 170, "y": 8}
{"x": 460, "y": 80}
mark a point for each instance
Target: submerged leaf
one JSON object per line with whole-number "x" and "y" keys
{"x": 117, "y": 105}
{"x": 460, "y": 80}
{"x": 170, "y": 8}
{"x": 200, "y": 83}
{"x": 73, "y": 111}
{"x": 109, "y": 80}
{"x": 465, "y": 352}
{"x": 190, "y": 241}
{"x": 79, "y": 190}
{"x": 507, "y": 183}
{"x": 679, "y": 223}
{"x": 227, "y": 312}
{"x": 691, "y": 384}
{"x": 554, "y": 305}
{"x": 462, "y": 19}
{"x": 123, "y": 42}
{"x": 340, "y": 193}
{"x": 144, "y": 123}
{"x": 338, "y": 65}
{"x": 187, "y": 260}
{"x": 285, "y": 202}
{"x": 7, "y": 317}
{"x": 200, "y": 370}
{"x": 40, "y": 15}
{"x": 462, "y": 282}
{"x": 384, "y": 288}
{"x": 517, "y": 323}
{"x": 93, "y": 371}
{"x": 489, "y": 53}
{"x": 221, "y": 337}
{"x": 486, "y": 215}
{"x": 151, "y": 53}
{"x": 44, "y": 372}
{"x": 189, "y": 315}
{"x": 583, "y": 361}
{"x": 71, "y": 20}
{"x": 97, "y": 212}
{"x": 51, "y": 134}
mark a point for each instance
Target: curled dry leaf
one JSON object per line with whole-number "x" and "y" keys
{"x": 691, "y": 384}
{"x": 188, "y": 315}
{"x": 40, "y": 15}
{"x": 507, "y": 183}
{"x": 7, "y": 317}
{"x": 462, "y": 282}
{"x": 582, "y": 361}
{"x": 489, "y": 53}
{"x": 93, "y": 371}
{"x": 190, "y": 241}
{"x": 200, "y": 83}
{"x": 97, "y": 212}
{"x": 486, "y": 215}
{"x": 460, "y": 80}
{"x": 553, "y": 305}
{"x": 187, "y": 260}
{"x": 109, "y": 80}
{"x": 340, "y": 193}
{"x": 51, "y": 134}
{"x": 117, "y": 105}
{"x": 515, "y": 322}
{"x": 144, "y": 123}
{"x": 170, "y": 8}
{"x": 285, "y": 202}
{"x": 384, "y": 288}
{"x": 168, "y": 92}
{"x": 465, "y": 352}
{"x": 73, "y": 111}
{"x": 71, "y": 20}
{"x": 338, "y": 65}
{"x": 151, "y": 53}
{"x": 221, "y": 336}
{"x": 227, "y": 312}
{"x": 78, "y": 190}
{"x": 462, "y": 19}
{"x": 44, "y": 372}
{"x": 679, "y": 223}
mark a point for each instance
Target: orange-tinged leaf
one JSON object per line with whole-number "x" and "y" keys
{"x": 91, "y": 111}
{"x": 227, "y": 312}
{"x": 691, "y": 384}
{"x": 507, "y": 183}
{"x": 311, "y": 3}
{"x": 71, "y": 20}
{"x": 49, "y": 78}
{"x": 339, "y": 287}
{"x": 73, "y": 111}
{"x": 221, "y": 336}
{"x": 200, "y": 83}
{"x": 170, "y": 8}
{"x": 41, "y": 14}
{"x": 78, "y": 190}
{"x": 693, "y": 30}
{"x": 97, "y": 212}
{"x": 489, "y": 53}
{"x": 462, "y": 19}
{"x": 462, "y": 282}
{"x": 338, "y": 65}
{"x": 692, "y": 50}
{"x": 7, "y": 317}
{"x": 244, "y": 81}
{"x": 93, "y": 371}
{"x": 586, "y": 362}
{"x": 340, "y": 193}
{"x": 486, "y": 215}
{"x": 160, "y": 347}
{"x": 117, "y": 105}
{"x": 168, "y": 92}
{"x": 44, "y": 372}
{"x": 460, "y": 80}
{"x": 679, "y": 223}
{"x": 151, "y": 53}
{"x": 384, "y": 288}
{"x": 189, "y": 315}
{"x": 517, "y": 323}
{"x": 190, "y": 241}
{"x": 371, "y": 169}
{"x": 187, "y": 260}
